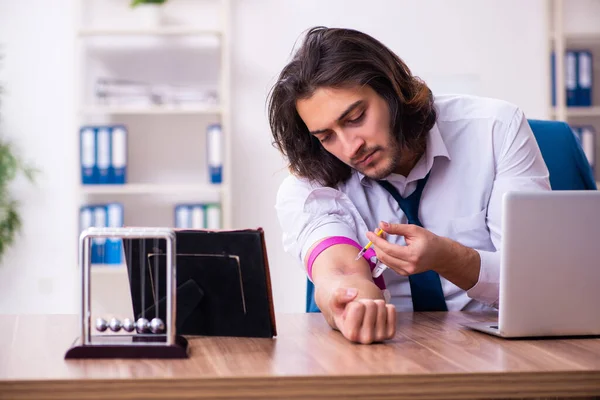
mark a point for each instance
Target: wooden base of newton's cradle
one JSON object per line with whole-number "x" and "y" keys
{"x": 129, "y": 347}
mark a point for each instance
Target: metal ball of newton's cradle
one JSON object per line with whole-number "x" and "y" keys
{"x": 128, "y": 325}
{"x": 114, "y": 325}
{"x": 142, "y": 325}
{"x": 101, "y": 324}
{"x": 157, "y": 326}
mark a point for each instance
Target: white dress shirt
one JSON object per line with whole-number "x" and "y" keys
{"x": 479, "y": 149}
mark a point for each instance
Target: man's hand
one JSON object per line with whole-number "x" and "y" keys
{"x": 362, "y": 320}
{"x": 425, "y": 251}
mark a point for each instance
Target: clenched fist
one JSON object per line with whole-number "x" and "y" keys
{"x": 362, "y": 320}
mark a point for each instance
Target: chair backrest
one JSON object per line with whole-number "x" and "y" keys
{"x": 568, "y": 166}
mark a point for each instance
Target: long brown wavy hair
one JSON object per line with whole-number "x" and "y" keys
{"x": 341, "y": 58}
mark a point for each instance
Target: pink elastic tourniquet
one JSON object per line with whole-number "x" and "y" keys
{"x": 342, "y": 240}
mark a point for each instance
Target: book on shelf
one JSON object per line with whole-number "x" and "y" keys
{"x": 103, "y": 251}
{"x": 198, "y": 216}
{"x": 578, "y": 78}
{"x": 123, "y": 92}
{"x": 214, "y": 141}
{"x": 587, "y": 138}
{"x": 103, "y": 154}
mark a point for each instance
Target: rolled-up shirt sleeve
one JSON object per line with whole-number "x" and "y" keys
{"x": 309, "y": 213}
{"x": 520, "y": 167}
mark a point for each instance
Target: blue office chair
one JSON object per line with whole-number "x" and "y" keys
{"x": 568, "y": 166}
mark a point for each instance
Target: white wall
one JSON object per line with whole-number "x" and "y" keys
{"x": 38, "y": 273}
{"x": 494, "y": 48}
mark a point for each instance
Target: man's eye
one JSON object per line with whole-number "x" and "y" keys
{"x": 357, "y": 119}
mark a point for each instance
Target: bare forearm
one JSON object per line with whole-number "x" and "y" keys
{"x": 324, "y": 289}
{"x": 460, "y": 265}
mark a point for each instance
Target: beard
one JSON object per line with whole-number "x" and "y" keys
{"x": 386, "y": 166}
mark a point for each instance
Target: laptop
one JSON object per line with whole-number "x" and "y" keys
{"x": 550, "y": 265}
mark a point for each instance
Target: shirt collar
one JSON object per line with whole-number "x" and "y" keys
{"x": 434, "y": 147}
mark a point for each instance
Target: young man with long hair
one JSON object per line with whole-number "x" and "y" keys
{"x": 369, "y": 146}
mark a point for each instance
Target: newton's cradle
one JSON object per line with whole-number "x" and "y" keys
{"x": 144, "y": 337}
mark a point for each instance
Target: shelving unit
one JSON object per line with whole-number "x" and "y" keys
{"x": 166, "y": 143}
{"x": 167, "y": 155}
{"x": 574, "y": 26}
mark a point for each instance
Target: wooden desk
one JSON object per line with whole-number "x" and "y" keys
{"x": 432, "y": 356}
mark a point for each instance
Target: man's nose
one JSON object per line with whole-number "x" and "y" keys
{"x": 352, "y": 145}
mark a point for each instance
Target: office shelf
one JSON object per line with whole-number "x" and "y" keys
{"x": 577, "y": 38}
{"x": 580, "y": 111}
{"x": 583, "y": 111}
{"x": 574, "y": 27}
{"x": 108, "y": 269}
{"x": 110, "y": 48}
{"x": 152, "y": 188}
{"x": 165, "y": 143}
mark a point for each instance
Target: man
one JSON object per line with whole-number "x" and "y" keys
{"x": 369, "y": 146}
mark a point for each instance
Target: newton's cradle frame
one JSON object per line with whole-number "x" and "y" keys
{"x": 141, "y": 338}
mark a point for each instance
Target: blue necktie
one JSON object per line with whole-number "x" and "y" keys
{"x": 425, "y": 287}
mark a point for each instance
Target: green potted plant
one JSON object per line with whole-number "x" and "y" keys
{"x": 148, "y": 12}
{"x": 11, "y": 165}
